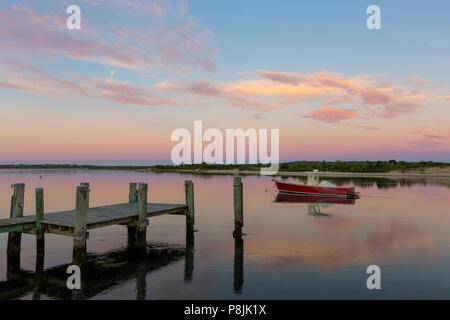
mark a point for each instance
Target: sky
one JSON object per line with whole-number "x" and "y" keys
{"x": 113, "y": 91}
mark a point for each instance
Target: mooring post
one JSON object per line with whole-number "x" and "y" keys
{"x": 133, "y": 193}
{"x": 86, "y": 184}
{"x": 142, "y": 215}
{"x": 79, "y": 239}
{"x": 40, "y": 242}
{"x": 190, "y": 216}
{"x": 15, "y": 238}
{"x": 238, "y": 207}
{"x": 132, "y": 198}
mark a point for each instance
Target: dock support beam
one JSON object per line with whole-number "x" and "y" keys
{"x": 79, "y": 240}
{"x": 190, "y": 216}
{"x": 40, "y": 242}
{"x": 238, "y": 207}
{"x": 142, "y": 214}
{"x": 132, "y": 229}
{"x": 15, "y": 238}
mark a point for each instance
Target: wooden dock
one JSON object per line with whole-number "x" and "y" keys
{"x": 63, "y": 222}
{"x": 76, "y": 223}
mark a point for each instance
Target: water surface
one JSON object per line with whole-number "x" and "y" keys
{"x": 290, "y": 250}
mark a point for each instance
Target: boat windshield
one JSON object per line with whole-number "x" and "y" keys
{"x": 313, "y": 179}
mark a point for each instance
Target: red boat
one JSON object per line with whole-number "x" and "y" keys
{"x": 312, "y": 187}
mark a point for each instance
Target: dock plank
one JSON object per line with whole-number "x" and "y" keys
{"x": 96, "y": 216}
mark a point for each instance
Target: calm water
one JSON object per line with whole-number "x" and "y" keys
{"x": 291, "y": 251}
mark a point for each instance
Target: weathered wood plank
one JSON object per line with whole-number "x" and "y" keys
{"x": 96, "y": 217}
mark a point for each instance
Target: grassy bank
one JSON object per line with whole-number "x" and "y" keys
{"x": 324, "y": 166}
{"x": 391, "y": 166}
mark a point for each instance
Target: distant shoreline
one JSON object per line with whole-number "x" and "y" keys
{"x": 430, "y": 172}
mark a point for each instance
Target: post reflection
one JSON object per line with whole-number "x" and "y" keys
{"x": 238, "y": 265}
{"x": 113, "y": 268}
{"x": 189, "y": 257}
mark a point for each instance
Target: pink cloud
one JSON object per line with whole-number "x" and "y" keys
{"x": 435, "y": 136}
{"x": 226, "y": 96}
{"x": 330, "y": 115}
{"x": 283, "y": 77}
{"x": 428, "y": 144}
{"x": 364, "y": 96}
{"x": 431, "y": 135}
{"x": 366, "y": 127}
{"x": 166, "y": 37}
{"x": 30, "y": 79}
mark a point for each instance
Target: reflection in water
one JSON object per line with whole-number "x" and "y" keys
{"x": 101, "y": 273}
{"x": 383, "y": 183}
{"x": 314, "y": 202}
{"x": 288, "y": 253}
{"x": 238, "y": 264}
{"x": 189, "y": 257}
{"x": 311, "y": 199}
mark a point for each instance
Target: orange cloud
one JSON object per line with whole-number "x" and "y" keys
{"x": 365, "y": 97}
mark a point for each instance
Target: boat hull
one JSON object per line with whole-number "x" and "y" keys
{"x": 299, "y": 189}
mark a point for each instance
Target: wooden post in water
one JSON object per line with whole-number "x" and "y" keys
{"x": 15, "y": 238}
{"x": 132, "y": 229}
{"x": 142, "y": 215}
{"x": 40, "y": 242}
{"x": 238, "y": 207}
{"x": 190, "y": 216}
{"x": 133, "y": 193}
{"x": 79, "y": 239}
{"x": 86, "y": 184}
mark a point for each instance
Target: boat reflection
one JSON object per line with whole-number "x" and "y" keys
{"x": 280, "y": 197}
{"x": 314, "y": 202}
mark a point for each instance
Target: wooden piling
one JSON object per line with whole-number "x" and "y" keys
{"x": 79, "y": 239}
{"x": 190, "y": 216}
{"x": 86, "y": 184}
{"x": 40, "y": 242}
{"x": 133, "y": 193}
{"x": 238, "y": 207}
{"x": 142, "y": 215}
{"x": 132, "y": 228}
{"x": 15, "y": 238}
